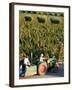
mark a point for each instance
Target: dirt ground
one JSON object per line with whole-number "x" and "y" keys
{"x": 55, "y": 72}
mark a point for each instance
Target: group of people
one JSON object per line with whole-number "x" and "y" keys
{"x": 27, "y": 62}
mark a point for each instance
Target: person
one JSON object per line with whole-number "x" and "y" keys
{"x": 20, "y": 71}
{"x": 42, "y": 58}
{"x": 26, "y": 61}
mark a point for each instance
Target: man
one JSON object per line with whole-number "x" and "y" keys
{"x": 42, "y": 58}
{"x": 24, "y": 64}
{"x": 26, "y": 61}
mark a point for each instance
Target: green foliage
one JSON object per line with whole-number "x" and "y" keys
{"x": 35, "y": 36}
{"x": 41, "y": 19}
{"x": 61, "y": 14}
{"x": 54, "y": 20}
{"x": 28, "y": 18}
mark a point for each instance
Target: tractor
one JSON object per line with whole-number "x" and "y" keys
{"x": 37, "y": 68}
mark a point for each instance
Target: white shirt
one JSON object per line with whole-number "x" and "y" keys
{"x": 26, "y": 61}
{"x": 41, "y": 59}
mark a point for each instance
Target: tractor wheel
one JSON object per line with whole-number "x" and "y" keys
{"x": 42, "y": 69}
